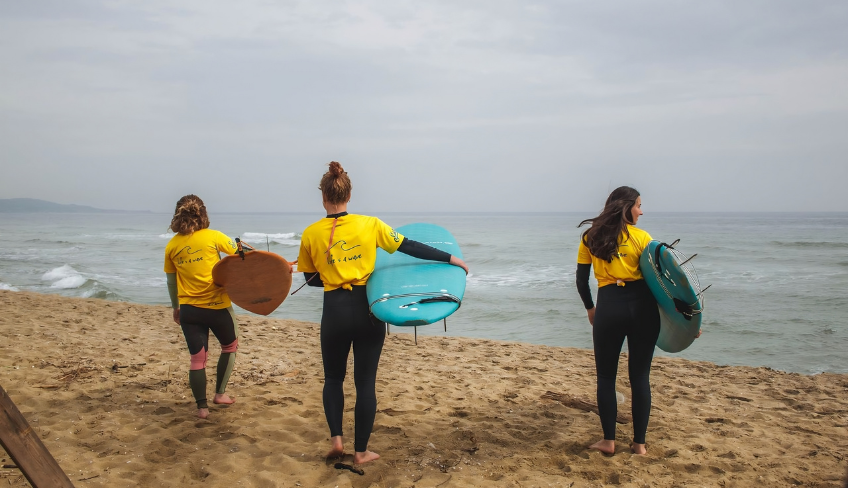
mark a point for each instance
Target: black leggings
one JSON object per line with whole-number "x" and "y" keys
{"x": 347, "y": 320}
{"x": 625, "y": 311}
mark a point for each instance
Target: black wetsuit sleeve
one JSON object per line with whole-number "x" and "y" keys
{"x": 423, "y": 251}
{"x": 583, "y": 289}
{"x": 315, "y": 280}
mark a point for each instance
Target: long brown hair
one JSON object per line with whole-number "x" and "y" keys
{"x": 602, "y": 237}
{"x": 189, "y": 216}
{"x": 335, "y": 184}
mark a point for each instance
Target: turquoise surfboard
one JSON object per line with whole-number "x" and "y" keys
{"x": 677, "y": 292}
{"x": 407, "y": 291}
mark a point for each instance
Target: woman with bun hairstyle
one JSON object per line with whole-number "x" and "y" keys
{"x": 626, "y": 308}
{"x": 338, "y": 252}
{"x": 200, "y": 305}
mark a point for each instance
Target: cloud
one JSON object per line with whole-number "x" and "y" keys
{"x": 471, "y": 106}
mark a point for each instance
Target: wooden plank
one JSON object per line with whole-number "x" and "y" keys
{"x": 26, "y": 449}
{"x": 579, "y": 403}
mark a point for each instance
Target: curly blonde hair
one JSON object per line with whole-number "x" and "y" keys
{"x": 189, "y": 216}
{"x": 335, "y": 184}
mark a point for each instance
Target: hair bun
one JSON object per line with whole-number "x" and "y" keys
{"x": 336, "y": 169}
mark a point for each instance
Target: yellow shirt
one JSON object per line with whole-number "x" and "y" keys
{"x": 351, "y": 257}
{"x": 625, "y": 265}
{"x": 192, "y": 257}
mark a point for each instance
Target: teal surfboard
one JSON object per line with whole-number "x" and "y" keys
{"x": 678, "y": 295}
{"x": 407, "y": 291}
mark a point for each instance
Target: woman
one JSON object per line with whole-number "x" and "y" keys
{"x": 200, "y": 305}
{"x": 626, "y": 308}
{"x": 338, "y": 253}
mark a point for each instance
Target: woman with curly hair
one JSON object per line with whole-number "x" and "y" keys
{"x": 200, "y": 305}
{"x": 626, "y": 308}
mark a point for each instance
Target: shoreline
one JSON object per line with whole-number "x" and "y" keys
{"x": 104, "y": 383}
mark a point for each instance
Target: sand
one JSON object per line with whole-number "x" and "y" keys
{"x": 105, "y": 385}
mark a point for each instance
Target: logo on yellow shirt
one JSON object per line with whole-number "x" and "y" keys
{"x": 341, "y": 243}
{"x": 187, "y": 249}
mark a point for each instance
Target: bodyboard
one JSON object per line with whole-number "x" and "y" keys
{"x": 407, "y": 291}
{"x": 257, "y": 282}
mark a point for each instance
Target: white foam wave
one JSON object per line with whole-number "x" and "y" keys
{"x": 69, "y": 282}
{"x": 262, "y": 235}
{"x": 59, "y": 273}
{"x": 167, "y": 235}
{"x": 7, "y": 287}
{"x": 287, "y": 242}
{"x": 64, "y": 277}
{"x": 285, "y": 238}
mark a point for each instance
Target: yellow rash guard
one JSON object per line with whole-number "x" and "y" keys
{"x": 192, "y": 257}
{"x": 353, "y": 250}
{"x": 625, "y": 265}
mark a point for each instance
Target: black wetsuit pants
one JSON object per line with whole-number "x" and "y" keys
{"x": 625, "y": 311}
{"x": 196, "y": 323}
{"x": 347, "y": 321}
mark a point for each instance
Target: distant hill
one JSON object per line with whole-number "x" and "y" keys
{"x": 32, "y": 205}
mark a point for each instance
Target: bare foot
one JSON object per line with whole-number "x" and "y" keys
{"x": 338, "y": 447}
{"x": 203, "y": 412}
{"x": 605, "y": 446}
{"x": 223, "y": 399}
{"x": 365, "y": 457}
{"x": 638, "y": 449}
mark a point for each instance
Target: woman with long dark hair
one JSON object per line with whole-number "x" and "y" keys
{"x": 338, "y": 252}
{"x": 200, "y": 306}
{"x": 626, "y": 309}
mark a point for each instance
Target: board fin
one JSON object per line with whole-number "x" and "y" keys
{"x": 684, "y": 308}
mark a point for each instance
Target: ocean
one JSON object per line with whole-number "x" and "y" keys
{"x": 777, "y": 297}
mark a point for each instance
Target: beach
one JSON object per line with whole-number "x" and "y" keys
{"x": 105, "y": 386}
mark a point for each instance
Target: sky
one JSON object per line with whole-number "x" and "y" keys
{"x": 438, "y": 106}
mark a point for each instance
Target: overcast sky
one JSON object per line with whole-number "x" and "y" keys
{"x": 483, "y": 105}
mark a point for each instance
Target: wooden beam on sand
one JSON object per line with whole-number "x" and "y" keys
{"x": 579, "y": 403}
{"x": 26, "y": 449}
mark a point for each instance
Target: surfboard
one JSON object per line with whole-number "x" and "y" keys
{"x": 407, "y": 291}
{"x": 676, "y": 289}
{"x": 256, "y": 281}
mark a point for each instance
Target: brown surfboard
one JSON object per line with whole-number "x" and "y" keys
{"x": 258, "y": 283}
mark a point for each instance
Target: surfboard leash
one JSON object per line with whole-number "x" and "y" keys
{"x": 304, "y": 284}
{"x": 329, "y": 246}
{"x": 240, "y": 246}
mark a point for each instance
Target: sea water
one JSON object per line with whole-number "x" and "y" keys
{"x": 778, "y": 295}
